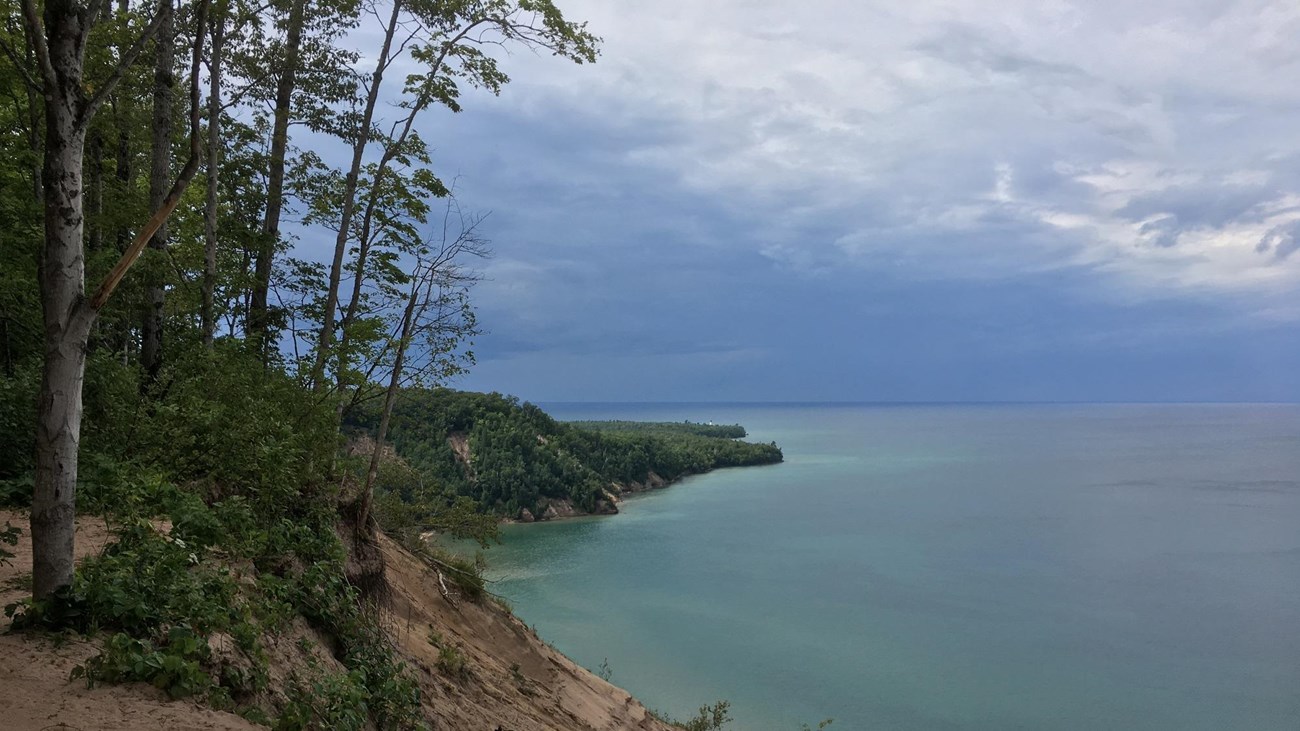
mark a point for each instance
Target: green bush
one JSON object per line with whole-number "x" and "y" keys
{"x": 176, "y": 668}
{"x": 452, "y": 663}
{"x": 329, "y": 701}
{"x": 164, "y": 594}
{"x": 222, "y": 419}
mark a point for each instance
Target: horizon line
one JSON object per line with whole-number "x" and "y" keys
{"x": 925, "y": 403}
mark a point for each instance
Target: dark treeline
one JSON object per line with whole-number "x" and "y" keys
{"x": 724, "y": 431}
{"x": 509, "y": 456}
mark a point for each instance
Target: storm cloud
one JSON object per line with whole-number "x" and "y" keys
{"x": 748, "y": 199}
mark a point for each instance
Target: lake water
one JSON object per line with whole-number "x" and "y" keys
{"x": 946, "y": 567}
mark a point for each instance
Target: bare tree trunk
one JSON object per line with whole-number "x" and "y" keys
{"x": 349, "y": 206}
{"x": 350, "y": 312}
{"x": 66, "y": 318}
{"x": 214, "y": 170}
{"x": 390, "y": 396}
{"x": 429, "y": 278}
{"x": 122, "y": 171}
{"x": 258, "y": 316}
{"x": 164, "y": 81}
{"x": 34, "y": 142}
{"x": 95, "y": 195}
{"x": 121, "y": 334}
{"x": 60, "y": 43}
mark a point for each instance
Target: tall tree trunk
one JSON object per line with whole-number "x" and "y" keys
{"x": 350, "y": 312}
{"x": 160, "y": 173}
{"x": 258, "y": 315}
{"x": 363, "y": 246}
{"x": 34, "y": 142}
{"x": 349, "y": 206}
{"x": 122, "y": 332}
{"x": 413, "y": 305}
{"x": 122, "y": 170}
{"x": 66, "y": 318}
{"x": 60, "y": 47}
{"x": 95, "y": 193}
{"x": 214, "y": 170}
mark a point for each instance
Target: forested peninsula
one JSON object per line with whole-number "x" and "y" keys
{"x": 513, "y": 460}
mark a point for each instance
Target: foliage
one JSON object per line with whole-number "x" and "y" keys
{"x": 709, "y": 718}
{"x": 177, "y": 668}
{"x": 219, "y": 469}
{"x": 18, "y": 423}
{"x": 673, "y": 428}
{"x": 224, "y": 525}
{"x": 452, "y": 662}
{"x": 508, "y": 456}
{"x": 326, "y": 701}
{"x": 521, "y": 681}
{"x": 373, "y": 688}
{"x": 718, "y": 715}
{"x": 17, "y": 492}
{"x": 259, "y": 440}
{"x": 629, "y": 454}
{"x": 409, "y": 504}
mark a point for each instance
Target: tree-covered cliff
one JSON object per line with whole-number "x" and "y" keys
{"x": 510, "y": 456}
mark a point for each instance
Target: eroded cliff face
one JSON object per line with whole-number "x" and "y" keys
{"x": 459, "y": 443}
{"x": 557, "y": 509}
{"x": 513, "y": 679}
{"x": 652, "y": 481}
{"x": 509, "y": 679}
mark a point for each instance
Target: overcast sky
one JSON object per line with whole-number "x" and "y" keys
{"x": 931, "y": 201}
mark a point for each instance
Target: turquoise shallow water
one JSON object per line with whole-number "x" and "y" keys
{"x": 947, "y": 567}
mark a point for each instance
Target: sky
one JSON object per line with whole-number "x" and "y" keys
{"x": 944, "y": 200}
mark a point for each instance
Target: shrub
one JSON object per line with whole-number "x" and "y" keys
{"x": 452, "y": 663}
{"x": 175, "y": 668}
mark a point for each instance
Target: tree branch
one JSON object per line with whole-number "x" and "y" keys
{"x": 182, "y": 181}
{"x": 18, "y": 66}
{"x": 36, "y": 35}
{"x": 127, "y": 60}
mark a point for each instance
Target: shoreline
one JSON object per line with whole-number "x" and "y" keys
{"x": 653, "y": 483}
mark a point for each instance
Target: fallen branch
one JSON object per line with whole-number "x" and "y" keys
{"x": 445, "y": 594}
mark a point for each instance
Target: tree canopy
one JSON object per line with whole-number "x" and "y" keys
{"x": 510, "y": 456}
{"x": 116, "y": 269}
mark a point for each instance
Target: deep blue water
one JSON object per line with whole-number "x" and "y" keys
{"x": 947, "y": 567}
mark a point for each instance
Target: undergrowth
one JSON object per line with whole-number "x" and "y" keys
{"x": 717, "y": 716}
{"x": 162, "y": 595}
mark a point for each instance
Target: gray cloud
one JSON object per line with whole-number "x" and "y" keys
{"x": 733, "y": 173}
{"x": 973, "y": 49}
{"x": 1205, "y": 203}
{"x": 1281, "y": 241}
{"x": 1163, "y": 230}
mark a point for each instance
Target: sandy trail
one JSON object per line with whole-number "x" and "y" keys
{"x": 35, "y": 692}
